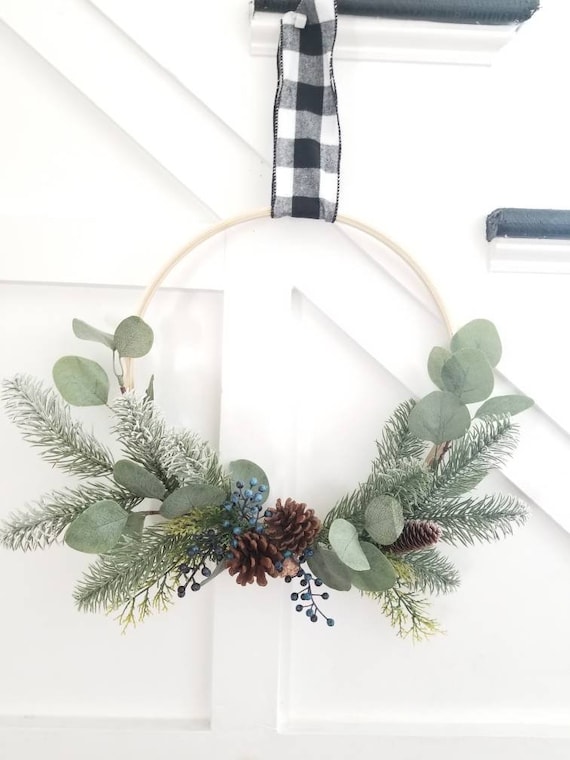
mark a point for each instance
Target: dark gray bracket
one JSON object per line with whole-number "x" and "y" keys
{"x": 491, "y": 12}
{"x": 528, "y": 223}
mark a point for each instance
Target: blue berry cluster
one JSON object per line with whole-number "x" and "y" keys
{"x": 308, "y": 595}
{"x": 207, "y": 547}
{"x": 244, "y": 508}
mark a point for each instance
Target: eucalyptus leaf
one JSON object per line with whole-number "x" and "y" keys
{"x": 80, "y": 381}
{"x": 343, "y": 538}
{"x": 185, "y": 499}
{"x": 468, "y": 375}
{"x": 437, "y": 358}
{"x": 133, "y": 338}
{"x": 381, "y": 575}
{"x": 384, "y": 519}
{"x": 83, "y": 331}
{"x": 439, "y": 417}
{"x": 243, "y": 471}
{"x": 513, "y": 404}
{"x": 482, "y": 335}
{"x": 135, "y": 525}
{"x": 138, "y": 480}
{"x": 98, "y": 529}
{"x": 325, "y": 564}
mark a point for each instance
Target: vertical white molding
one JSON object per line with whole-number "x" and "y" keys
{"x": 256, "y": 424}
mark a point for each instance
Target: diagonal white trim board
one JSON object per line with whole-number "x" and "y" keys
{"x": 164, "y": 118}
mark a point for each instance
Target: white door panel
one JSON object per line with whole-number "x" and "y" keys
{"x": 127, "y": 129}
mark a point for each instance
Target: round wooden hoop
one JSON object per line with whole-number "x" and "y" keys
{"x": 235, "y": 221}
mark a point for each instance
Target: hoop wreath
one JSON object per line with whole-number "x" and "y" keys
{"x": 382, "y": 539}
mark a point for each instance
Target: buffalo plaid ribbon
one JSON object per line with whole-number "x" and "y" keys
{"x": 307, "y": 132}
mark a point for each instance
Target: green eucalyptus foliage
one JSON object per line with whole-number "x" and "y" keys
{"x": 501, "y": 405}
{"x": 437, "y": 358}
{"x": 80, "y": 381}
{"x": 480, "y": 334}
{"x": 384, "y": 519}
{"x": 98, "y": 529}
{"x": 138, "y": 480}
{"x": 133, "y": 338}
{"x": 468, "y": 374}
{"x": 83, "y": 331}
{"x": 325, "y": 564}
{"x": 243, "y": 471}
{"x": 380, "y": 576}
{"x": 343, "y": 537}
{"x": 439, "y": 417}
{"x": 135, "y": 525}
{"x": 184, "y": 500}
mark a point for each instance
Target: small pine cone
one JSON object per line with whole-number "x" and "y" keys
{"x": 417, "y": 535}
{"x": 254, "y": 557}
{"x": 292, "y": 526}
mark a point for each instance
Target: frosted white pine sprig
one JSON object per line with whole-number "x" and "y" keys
{"x": 177, "y": 457}
{"x": 188, "y": 459}
{"x": 140, "y": 430}
{"x": 45, "y": 421}
{"x": 42, "y": 523}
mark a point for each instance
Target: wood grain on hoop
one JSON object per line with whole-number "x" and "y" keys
{"x": 262, "y": 214}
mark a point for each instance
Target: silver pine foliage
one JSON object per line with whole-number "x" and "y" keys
{"x": 41, "y": 524}
{"x": 177, "y": 457}
{"x": 140, "y": 430}
{"x": 187, "y": 459}
{"x": 45, "y": 421}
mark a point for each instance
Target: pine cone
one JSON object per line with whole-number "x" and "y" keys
{"x": 292, "y": 526}
{"x": 417, "y": 535}
{"x": 254, "y": 557}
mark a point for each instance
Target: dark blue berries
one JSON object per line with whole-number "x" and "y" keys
{"x": 181, "y": 591}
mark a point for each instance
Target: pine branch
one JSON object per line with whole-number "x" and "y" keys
{"x": 485, "y": 447}
{"x": 45, "y": 421}
{"x": 43, "y": 522}
{"x": 397, "y": 443}
{"x": 430, "y": 571}
{"x": 140, "y": 429}
{"x": 486, "y": 518}
{"x": 177, "y": 457}
{"x": 409, "y": 483}
{"x": 187, "y": 459}
{"x": 407, "y": 611}
{"x": 130, "y": 570}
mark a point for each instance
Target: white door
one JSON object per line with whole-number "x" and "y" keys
{"x": 127, "y": 127}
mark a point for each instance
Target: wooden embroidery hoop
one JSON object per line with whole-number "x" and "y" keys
{"x": 264, "y": 213}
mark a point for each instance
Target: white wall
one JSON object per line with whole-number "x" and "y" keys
{"x": 103, "y": 177}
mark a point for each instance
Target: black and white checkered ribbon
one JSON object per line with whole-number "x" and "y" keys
{"x": 307, "y": 132}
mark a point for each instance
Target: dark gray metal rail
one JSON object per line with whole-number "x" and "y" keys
{"x": 451, "y": 11}
{"x": 528, "y": 223}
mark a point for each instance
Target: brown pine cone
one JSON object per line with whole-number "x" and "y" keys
{"x": 417, "y": 535}
{"x": 292, "y": 526}
{"x": 254, "y": 557}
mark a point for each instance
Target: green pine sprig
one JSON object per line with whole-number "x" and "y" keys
{"x": 475, "y": 518}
